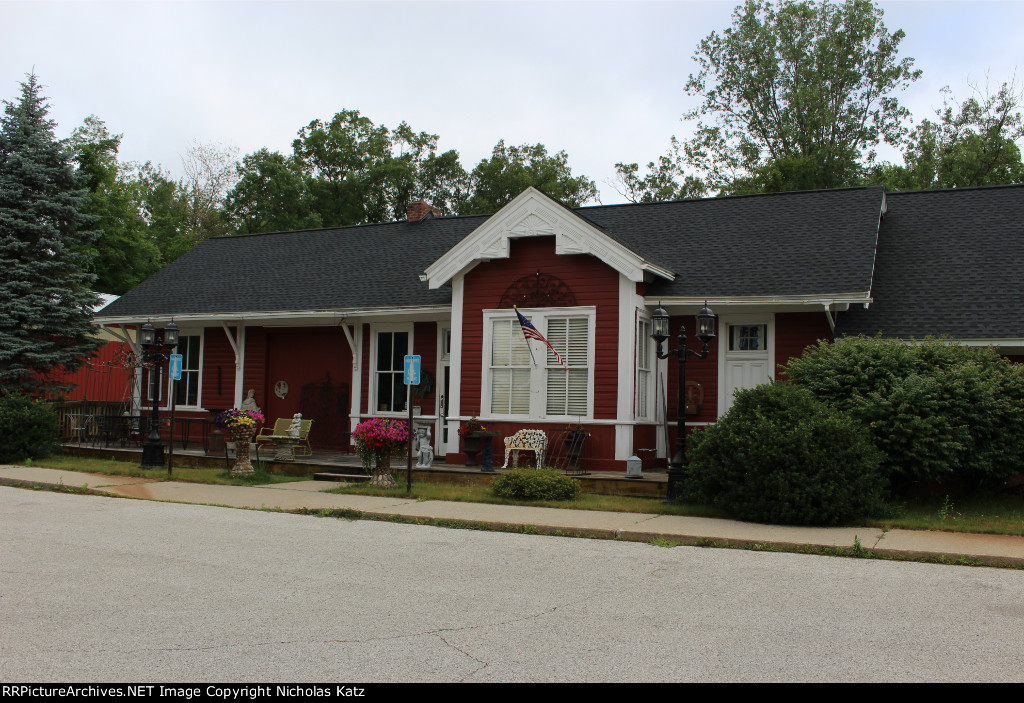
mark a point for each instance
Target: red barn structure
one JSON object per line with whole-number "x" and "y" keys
{"x": 318, "y": 321}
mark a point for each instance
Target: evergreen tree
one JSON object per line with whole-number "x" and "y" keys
{"x": 45, "y": 300}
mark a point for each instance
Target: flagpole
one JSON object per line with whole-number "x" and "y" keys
{"x": 526, "y": 339}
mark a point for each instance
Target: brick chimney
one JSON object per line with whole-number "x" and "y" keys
{"x": 420, "y": 210}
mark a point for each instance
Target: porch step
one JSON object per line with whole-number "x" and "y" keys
{"x": 346, "y": 478}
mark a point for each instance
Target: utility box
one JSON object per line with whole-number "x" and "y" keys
{"x": 633, "y": 467}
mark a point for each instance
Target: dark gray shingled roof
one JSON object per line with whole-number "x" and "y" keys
{"x": 815, "y": 242}
{"x": 949, "y": 262}
{"x": 807, "y": 243}
{"x": 321, "y": 269}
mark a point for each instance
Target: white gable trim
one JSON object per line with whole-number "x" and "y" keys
{"x": 534, "y": 214}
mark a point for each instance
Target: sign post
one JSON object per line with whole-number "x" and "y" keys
{"x": 174, "y": 372}
{"x": 411, "y": 378}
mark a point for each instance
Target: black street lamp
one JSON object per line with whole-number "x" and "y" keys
{"x": 705, "y": 333}
{"x": 156, "y": 349}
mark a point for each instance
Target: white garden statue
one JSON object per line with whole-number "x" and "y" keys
{"x": 424, "y": 450}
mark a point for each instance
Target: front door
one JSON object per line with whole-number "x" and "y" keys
{"x": 746, "y": 359}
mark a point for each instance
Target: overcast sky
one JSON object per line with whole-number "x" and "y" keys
{"x": 601, "y": 80}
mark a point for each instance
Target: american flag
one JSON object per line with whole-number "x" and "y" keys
{"x": 530, "y": 332}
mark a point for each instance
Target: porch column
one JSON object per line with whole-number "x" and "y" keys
{"x": 625, "y": 415}
{"x": 355, "y": 343}
{"x": 455, "y": 370}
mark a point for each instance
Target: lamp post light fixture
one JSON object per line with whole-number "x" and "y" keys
{"x": 705, "y": 333}
{"x": 157, "y": 346}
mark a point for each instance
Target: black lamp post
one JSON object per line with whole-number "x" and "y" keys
{"x": 705, "y": 333}
{"x": 156, "y": 349}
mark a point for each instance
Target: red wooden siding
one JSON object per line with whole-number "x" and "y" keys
{"x": 255, "y": 373}
{"x": 102, "y": 377}
{"x": 310, "y": 357}
{"x": 597, "y": 453}
{"x": 425, "y": 345}
{"x": 795, "y": 331}
{"x": 591, "y": 281}
{"x": 646, "y": 437}
{"x": 218, "y": 370}
{"x": 703, "y": 371}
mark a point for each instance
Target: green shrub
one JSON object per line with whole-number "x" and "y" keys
{"x": 780, "y": 456}
{"x": 28, "y": 429}
{"x": 535, "y": 484}
{"x": 936, "y": 409}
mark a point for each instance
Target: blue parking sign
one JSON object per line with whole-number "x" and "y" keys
{"x": 412, "y": 370}
{"x": 174, "y": 370}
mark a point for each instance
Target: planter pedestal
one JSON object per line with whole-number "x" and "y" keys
{"x": 242, "y": 464}
{"x": 474, "y": 443}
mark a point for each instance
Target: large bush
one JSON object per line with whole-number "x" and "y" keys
{"x": 28, "y": 429}
{"x": 535, "y": 484}
{"x": 781, "y": 456}
{"x": 936, "y": 409}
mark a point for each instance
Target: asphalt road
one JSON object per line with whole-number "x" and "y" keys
{"x": 106, "y": 589}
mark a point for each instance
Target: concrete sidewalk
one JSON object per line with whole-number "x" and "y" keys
{"x": 992, "y": 550}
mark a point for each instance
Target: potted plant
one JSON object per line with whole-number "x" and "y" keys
{"x": 473, "y": 434}
{"x": 574, "y": 438}
{"x": 377, "y": 440}
{"x": 240, "y": 425}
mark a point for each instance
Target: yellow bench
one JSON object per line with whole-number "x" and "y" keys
{"x": 280, "y": 429}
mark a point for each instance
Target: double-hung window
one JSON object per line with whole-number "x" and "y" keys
{"x": 186, "y": 393}
{"x": 187, "y": 389}
{"x": 525, "y": 378}
{"x": 644, "y": 364}
{"x": 389, "y": 386}
{"x": 568, "y": 385}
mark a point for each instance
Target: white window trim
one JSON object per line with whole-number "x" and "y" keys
{"x": 165, "y": 376}
{"x": 444, "y": 332}
{"x": 538, "y": 371}
{"x": 372, "y": 390}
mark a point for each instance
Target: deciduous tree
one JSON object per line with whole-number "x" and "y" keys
{"x": 124, "y": 255}
{"x": 971, "y": 143}
{"x": 796, "y": 96}
{"x": 270, "y": 196}
{"x": 511, "y": 169}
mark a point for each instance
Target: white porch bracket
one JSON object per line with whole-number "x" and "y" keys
{"x": 237, "y": 342}
{"x": 830, "y": 317}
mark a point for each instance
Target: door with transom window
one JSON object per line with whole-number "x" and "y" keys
{"x": 746, "y": 359}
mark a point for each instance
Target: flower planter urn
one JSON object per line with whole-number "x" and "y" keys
{"x": 475, "y": 442}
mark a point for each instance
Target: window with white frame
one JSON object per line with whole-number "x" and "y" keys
{"x": 187, "y": 389}
{"x": 391, "y": 349}
{"x": 520, "y": 383}
{"x": 644, "y": 365}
